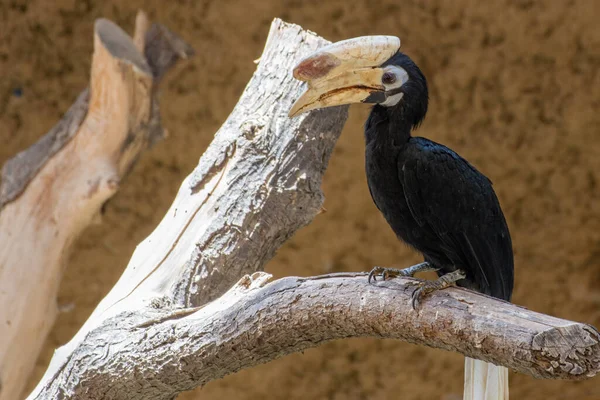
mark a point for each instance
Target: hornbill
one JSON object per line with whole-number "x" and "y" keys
{"x": 432, "y": 198}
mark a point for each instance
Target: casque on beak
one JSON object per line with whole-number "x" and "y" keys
{"x": 345, "y": 72}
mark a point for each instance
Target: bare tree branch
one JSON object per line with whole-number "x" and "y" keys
{"x": 50, "y": 192}
{"x": 177, "y": 319}
{"x": 253, "y": 324}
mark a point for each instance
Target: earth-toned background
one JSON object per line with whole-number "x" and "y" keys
{"x": 514, "y": 87}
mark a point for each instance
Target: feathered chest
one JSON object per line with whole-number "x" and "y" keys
{"x": 383, "y": 166}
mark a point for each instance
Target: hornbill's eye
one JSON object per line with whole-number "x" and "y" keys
{"x": 388, "y": 78}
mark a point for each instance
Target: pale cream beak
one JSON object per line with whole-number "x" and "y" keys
{"x": 345, "y": 72}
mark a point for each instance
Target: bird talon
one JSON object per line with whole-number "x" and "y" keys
{"x": 374, "y": 272}
{"x": 415, "y": 298}
{"x": 425, "y": 288}
{"x": 419, "y": 293}
{"x": 386, "y": 273}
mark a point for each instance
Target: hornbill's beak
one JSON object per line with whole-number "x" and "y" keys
{"x": 345, "y": 72}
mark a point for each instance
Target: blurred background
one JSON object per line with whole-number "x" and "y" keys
{"x": 514, "y": 88}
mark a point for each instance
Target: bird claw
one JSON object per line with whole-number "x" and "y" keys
{"x": 424, "y": 288}
{"x": 374, "y": 272}
{"x": 386, "y": 273}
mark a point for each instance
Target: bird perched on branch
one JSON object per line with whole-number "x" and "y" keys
{"x": 432, "y": 198}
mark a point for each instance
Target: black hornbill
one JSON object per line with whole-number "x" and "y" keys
{"x": 433, "y": 199}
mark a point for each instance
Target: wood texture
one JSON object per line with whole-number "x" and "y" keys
{"x": 257, "y": 183}
{"x": 177, "y": 318}
{"x": 52, "y": 191}
{"x": 158, "y": 355}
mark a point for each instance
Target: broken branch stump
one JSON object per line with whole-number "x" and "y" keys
{"x": 50, "y": 192}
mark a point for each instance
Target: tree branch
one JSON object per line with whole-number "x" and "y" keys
{"x": 50, "y": 192}
{"x": 177, "y": 319}
{"x": 253, "y": 324}
{"x": 257, "y": 183}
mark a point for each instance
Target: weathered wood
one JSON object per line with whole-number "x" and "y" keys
{"x": 158, "y": 355}
{"x": 257, "y": 183}
{"x": 22, "y": 168}
{"x": 51, "y": 191}
{"x": 173, "y": 321}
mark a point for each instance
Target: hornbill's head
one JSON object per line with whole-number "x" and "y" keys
{"x": 368, "y": 69}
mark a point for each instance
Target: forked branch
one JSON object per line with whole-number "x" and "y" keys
{"x": 180, "y": 316}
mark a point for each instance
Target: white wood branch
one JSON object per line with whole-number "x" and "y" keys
{"x": 257, "y": 183}
{"x": 177, "y": 319}
{"x": 50, "y": 192}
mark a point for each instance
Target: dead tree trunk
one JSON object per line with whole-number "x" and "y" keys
{"x": 52, "y": 190}
{"x": 177, "y": 319}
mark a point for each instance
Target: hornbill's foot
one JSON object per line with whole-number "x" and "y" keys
{"x": 394, "y": 272}
{"x": 426, "y": 287}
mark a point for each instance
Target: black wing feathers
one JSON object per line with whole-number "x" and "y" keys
{"x": 450, "y": 197}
